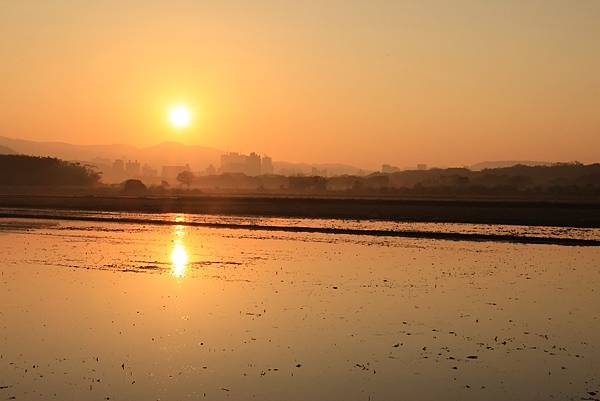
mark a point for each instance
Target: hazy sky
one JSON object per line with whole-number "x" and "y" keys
{"x": 362, "y": 82}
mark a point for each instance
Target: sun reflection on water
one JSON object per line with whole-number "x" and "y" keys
{"x": 179, "y": 254}
{"x": 179, "y": 258}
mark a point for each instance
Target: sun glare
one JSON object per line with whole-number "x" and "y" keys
{"x": 180, "y": 116}
{"x": 179, "y": 255}
{"x": 179, "y": 258}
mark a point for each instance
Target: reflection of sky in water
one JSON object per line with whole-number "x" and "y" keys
{"x": 525, "y": 231}
{"x": 291, "y": 316}
{"x": 530, "y": 231}
{"x": 179, "y": 254}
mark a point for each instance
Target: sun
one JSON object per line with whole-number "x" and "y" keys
{"x": 180, "y": 116}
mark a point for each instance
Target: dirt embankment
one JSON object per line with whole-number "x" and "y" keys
{"x": 560, "y": 214}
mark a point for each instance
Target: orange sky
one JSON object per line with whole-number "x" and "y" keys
{"x": 360, "y": 82}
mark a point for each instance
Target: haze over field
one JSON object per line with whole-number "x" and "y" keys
{"x": 353, "y": 200}
{"x": 361, "y": 83}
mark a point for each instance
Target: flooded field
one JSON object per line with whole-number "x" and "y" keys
{"x": 110, "y": 310}
{"x": 442, "y": 230}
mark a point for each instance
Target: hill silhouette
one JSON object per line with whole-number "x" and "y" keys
{"x": 166, "y": 153}
{"x": 506, "y": 163}
{"x": 4, "y": 150}
{"x": 21, "y": 170}
{"x": 162, "y": 154}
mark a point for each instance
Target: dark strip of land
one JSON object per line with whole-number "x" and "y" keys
{"x": 531, "y": 213}
{"x": 322, "y": 230}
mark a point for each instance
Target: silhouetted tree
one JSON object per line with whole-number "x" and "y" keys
{"x": 133, "y": 187}
{"x": 186, "y": 178}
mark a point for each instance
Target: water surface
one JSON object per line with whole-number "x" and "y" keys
{"x": 144, "y": 312}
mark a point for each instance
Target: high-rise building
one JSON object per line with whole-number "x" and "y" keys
{"x": 253, "y": 164}
{"x": 266, "y": 165}
{"x": 250, "y": 165}
{"x": 118, "y": 167}
{"x": 233, "y": 163}
{"x": 132, "y": 169}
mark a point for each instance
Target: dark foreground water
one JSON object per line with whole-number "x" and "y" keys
{"x": 111, "y": 310}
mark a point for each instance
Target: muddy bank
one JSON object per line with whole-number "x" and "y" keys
{"x": 559, "y": 214}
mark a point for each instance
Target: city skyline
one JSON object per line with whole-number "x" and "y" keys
{"x": 119, "y": 162}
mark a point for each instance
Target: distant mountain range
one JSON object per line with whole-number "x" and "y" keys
{"x": 324, "y": 169}
{"x": 166, "y": 153}
{"x": 163, "y": 154}
{"x": 198, "y": 157}
{"x": 6, "y": 151}
{"x": 507, "y": 163}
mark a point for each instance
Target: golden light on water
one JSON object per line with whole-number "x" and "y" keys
{"x": 179, "y": 254}
{"x": 179, "y": 259}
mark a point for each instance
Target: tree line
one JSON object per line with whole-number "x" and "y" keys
{"x": 559, "y": 179}
{"x": 22, "y": 170}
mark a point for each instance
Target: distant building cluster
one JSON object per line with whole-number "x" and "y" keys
{"x": 122, "y": 170}
{"x": 250, "y": 165}
{"x": 388, "y": 168}
{"x": 119, "y": 170}
{"x": 232, "y": 163}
